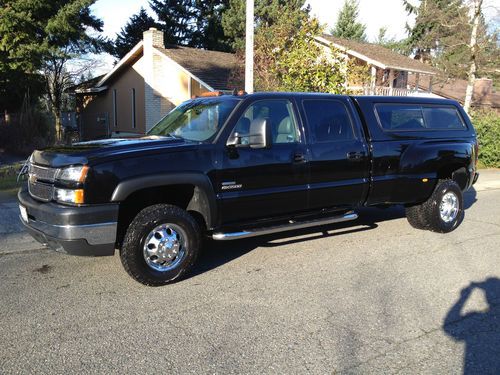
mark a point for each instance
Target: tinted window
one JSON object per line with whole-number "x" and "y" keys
{"x": 329, "y": 120}
{"x": 442, "y": 118}
{"x": 278, "y": 112}
{"x": 400, "y": 117}
{"x": 418, "y": 117}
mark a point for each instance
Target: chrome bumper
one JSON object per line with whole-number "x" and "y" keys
{"x": 94, "y": 234}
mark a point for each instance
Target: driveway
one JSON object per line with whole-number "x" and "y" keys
{"x": 373, "y": 296}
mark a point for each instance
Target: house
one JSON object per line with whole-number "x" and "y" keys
{"x": 389, "y": 71}
{"x": 146, "y": 84}
{"x": 484, "y": 96}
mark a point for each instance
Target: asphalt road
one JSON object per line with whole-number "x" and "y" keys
{"x": 373, "y": 296}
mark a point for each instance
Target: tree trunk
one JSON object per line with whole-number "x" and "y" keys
{"x": 58, "y": 127}
{"x": 473, "y": 49}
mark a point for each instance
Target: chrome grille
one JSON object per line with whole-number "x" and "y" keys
{"x": 40, "y": 190}
{"x": 40, "y": 182}
{"x": 42, "y": 173}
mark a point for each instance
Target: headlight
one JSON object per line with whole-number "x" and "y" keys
{"x": 74, "y": 196}
{"x": 73, "y": 174}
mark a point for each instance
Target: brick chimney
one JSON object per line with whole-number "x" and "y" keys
{"x": 152, "y": 39}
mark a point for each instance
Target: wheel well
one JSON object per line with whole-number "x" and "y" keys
{"x": 456, "y": 172}
{"x": 177, "y": 195}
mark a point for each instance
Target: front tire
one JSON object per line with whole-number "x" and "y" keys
{"x": 443, "y": 212}
{"x": 161, "y": 245}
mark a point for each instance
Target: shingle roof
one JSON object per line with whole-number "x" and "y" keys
{"x": 382, "y": 55}
{"x": 214, "y": 68}
{"x": 87, "y": 85}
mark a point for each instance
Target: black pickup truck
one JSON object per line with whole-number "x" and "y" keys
{"x": 236, "y": 166}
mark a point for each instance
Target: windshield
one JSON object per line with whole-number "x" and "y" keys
{"x": 195, "y": 120}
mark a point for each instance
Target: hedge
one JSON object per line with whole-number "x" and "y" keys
{"x": 487, "y": 125}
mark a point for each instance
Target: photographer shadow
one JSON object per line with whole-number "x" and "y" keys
{"x": 480, "y": 331}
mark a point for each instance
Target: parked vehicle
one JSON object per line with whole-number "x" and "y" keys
{"x": 236, "y": 166}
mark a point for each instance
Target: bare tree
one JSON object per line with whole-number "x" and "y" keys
{"x": 62, "y": 71}
{"x": 473, "y": 45}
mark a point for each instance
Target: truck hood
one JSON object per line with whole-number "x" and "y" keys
{"x": 87, "y": 152}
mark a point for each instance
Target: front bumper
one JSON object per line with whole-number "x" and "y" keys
{"x": 84, "y": 230}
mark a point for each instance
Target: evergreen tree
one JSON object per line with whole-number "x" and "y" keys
{"x": 131, "y": 33}
{"x": 42, "y": 36}
{"x": 347, "y": 25}
{"x": 267, "y": 13}
{"x": 177, "y": 18}
{"x": 209, "y": 32}
{"x": 441, "y": 29}
{"x": 399, "y": 46}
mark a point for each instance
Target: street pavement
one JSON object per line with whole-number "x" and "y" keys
{"x": 372, "y": 296}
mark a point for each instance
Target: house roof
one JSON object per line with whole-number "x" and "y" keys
{"x": 86, "y": 86}
{"x": 377, "y": 55}
{"x": 212, "y": 67}
{"x": 483, "y": 95}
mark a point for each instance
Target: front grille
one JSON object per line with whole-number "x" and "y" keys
{"x": 41, "y": 190}
{"x": 42, "y": 173}
{"x": 40, "y": 182}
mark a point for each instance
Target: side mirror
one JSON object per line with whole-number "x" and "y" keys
{"x": 259, "y": 136}
{"x": 260, "y": 133}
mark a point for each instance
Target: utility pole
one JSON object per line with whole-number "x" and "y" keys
{"x": 249, "y": 47}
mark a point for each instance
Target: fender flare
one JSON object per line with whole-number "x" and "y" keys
{"x": 203, "y": 200}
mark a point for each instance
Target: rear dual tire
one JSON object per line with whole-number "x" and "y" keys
{"x": 443, "y": 212}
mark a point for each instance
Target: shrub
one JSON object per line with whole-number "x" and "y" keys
{"x": 487, "y": 125}
{"x": 26, "y": 132}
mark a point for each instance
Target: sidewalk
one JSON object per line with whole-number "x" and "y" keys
{"x": 489, "y": 179}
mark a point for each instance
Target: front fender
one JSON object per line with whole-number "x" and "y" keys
{"x": 203, "y": 200}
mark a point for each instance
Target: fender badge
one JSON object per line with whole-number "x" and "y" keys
{"x": 231, "y": 185}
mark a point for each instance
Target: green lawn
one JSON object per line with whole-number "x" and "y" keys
{"x": 8, "y": 177}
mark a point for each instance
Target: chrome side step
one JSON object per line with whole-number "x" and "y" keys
{"x": 282, "y": 228}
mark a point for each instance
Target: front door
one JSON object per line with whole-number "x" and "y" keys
{"x": 266, "y": 182}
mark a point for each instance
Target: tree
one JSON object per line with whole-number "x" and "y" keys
{"x": 209, "y": 33}
{"x": 452, "y": 35}
{"x": 267, "y": 12}
{"x": 347, "y": 25}
{"x": 131, "y": 33}
{"x": 39, "y": 36}
{"x": 439, "y": 32}
{"x": 287, "y": 58}
{"x": 473, "y": 45}
{"x": 382, "y": 39}
{"x": 177, "y": 19}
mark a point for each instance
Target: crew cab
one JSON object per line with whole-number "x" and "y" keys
{"x": 235, "y": 166}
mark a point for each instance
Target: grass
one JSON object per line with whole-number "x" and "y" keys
{"x": 8, "y": 177}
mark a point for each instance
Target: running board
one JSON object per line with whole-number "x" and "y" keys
{"x": 282, "y": 228}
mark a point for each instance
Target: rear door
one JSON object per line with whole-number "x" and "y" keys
{"x": 339, "y": 160}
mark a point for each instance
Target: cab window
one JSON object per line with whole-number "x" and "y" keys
{"x": 280, "y": 115}
{"x": 328, "y": 120}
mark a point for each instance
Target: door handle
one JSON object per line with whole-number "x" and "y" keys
{"x": 299, "y": 158}
{"x": 354, "y": 155}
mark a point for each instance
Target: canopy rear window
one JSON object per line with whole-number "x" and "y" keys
{"x": 415, "y": 117}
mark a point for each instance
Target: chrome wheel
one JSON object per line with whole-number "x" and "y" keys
{"x": 449, "y": 206}
{"x": 164, "y": 247}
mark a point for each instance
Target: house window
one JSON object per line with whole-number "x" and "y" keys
{"x": 115, "y": 111}
{"x": 133, "y": 109}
